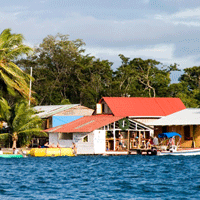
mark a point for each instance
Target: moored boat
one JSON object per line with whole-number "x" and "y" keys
{"x": 173, "y": 149}
{"x": 188, "y": 152}
{"x": 11, "y": 156}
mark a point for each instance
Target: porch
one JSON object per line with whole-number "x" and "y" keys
{"x": 126, "y": 135}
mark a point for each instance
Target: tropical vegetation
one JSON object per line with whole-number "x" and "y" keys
{"x": 22, "y": 122}
{"x": 64, "y": 74}
{"x": 20, "y": 119}
{"x": 62, "y": 70}
{"x": 12, "y": 78}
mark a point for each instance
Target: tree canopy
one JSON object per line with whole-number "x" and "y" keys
{"x": 12, "y": 78}
{"x": 65, "y": 74}
{"x": 63, "y": 71}
{"x": 21, "y": 120}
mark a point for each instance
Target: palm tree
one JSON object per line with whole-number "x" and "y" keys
{"x": 21, "y": 119}
{"x": 12, "y": 78}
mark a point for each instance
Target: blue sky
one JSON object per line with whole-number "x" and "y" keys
{"x": 165, "y": 30}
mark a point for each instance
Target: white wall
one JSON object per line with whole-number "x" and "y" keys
{"x": 84, "y": 147}
{"x": 99, "y": 141}
{"x": 95, "y": 144}
{"x": 53, "y": 138}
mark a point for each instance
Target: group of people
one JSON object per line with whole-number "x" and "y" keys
{"x": 152, "y": 142}
{"x": 47, "y": 145}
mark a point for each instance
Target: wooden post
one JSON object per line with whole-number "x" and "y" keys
{"x": 47, "y": 122}
{"x": 114, "y": 136}
{"x": 128, "y": 141}
{"x": 120, "y": 146}
{"x": 139, "y": 140}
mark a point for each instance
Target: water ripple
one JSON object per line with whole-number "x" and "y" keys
{"x": 100, "y": 177}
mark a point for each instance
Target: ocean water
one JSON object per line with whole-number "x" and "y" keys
{"x": 101, "y": 177}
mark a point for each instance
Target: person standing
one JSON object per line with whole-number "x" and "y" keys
{"x": 155, "y": 141}
{"x": 15, "y": 151}
{"x": 1, "y": 152}
{"x": 74, "y": 148}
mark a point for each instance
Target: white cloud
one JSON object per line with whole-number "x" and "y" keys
{"x": 146, "y": 1}
{"x": 189, "y": 17}
{"x": 163, "y": 53}
{"x": 189, "y": 13}
{"x": 145, "y": 38}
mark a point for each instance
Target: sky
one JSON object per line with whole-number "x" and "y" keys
{"x": 164, "y": 30}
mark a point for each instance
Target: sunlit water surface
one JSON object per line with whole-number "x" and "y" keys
{"x": 101, "y": 177}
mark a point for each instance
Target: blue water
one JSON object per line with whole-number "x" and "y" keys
{"x": 100, "y": 177}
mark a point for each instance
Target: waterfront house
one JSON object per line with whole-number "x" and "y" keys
{"x": 55, "y": 115}
{"x": 142, "y": 109}
{"x": 100, "y": 134}
{"x": 118, "y": 124}
{"x": 185, "y": 122}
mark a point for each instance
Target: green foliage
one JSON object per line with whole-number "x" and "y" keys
{"x": 5, "y": 138}
{"x": 139, "y": 77}
{"x": 12, "y": 78}
{"x": 191, "y": 77}
{"x": 61, "y": 71}
{"x": 64, "y": 74}
{"x": 21, "y": 120}
{"x": 65, "y": 102}
{"x": 188, "y": 90}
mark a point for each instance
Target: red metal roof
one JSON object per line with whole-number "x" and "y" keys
{"x": 85, "y": 124}
{"x": 143, "y": 106}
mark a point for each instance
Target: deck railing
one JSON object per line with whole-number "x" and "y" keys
{"x": 122, "y": 144}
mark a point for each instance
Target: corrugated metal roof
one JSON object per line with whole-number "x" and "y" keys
{"x": 47, "y": 111}
{"x": 143, "y": 106}
{"x": 189, "y": 116}
{"x": 85, "y": 124}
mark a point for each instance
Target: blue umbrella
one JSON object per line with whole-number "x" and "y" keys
{"x": 168, "y": 135}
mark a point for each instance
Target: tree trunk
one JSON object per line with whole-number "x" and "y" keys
{"x": 14, "y": 139}
{"x": 14, "y": 144}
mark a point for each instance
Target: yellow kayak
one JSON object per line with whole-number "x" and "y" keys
{"x": 45, "y": 152}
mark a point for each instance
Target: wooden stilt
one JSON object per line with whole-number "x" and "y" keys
{"x": 128, "y": 148}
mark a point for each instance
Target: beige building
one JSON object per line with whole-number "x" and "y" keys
{"x": 52, "y": 114}
{"x": 55, "y": 115}
{"x": 185, "y": 122}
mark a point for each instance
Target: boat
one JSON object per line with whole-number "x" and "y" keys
{"x": 174, "y": 150}
{"x": 11, "y": 156}
{"x": 51, "y": 152}
{"x": 188, "y": 152}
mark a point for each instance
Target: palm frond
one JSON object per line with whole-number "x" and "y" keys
{"x": 3, "y": 136}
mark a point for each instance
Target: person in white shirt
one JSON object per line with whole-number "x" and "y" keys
{"x": 155, "y": 141}
{"x": 15, "y": 151}
{"x": 1, "y": 152}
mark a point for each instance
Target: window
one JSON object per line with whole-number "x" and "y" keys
{"x": 103, "y": 108}
{"x": 187, "y": 133}
{"x": 85, "y": 138}
{"x": 65, "y": 136}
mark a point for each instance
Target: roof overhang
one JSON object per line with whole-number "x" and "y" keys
{"x": 189, "y": 116}
{"x": 145, "y": 117}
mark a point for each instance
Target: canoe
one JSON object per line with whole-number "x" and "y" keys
{"x": 49, "y": 152}
{"x": 11, "y": 156}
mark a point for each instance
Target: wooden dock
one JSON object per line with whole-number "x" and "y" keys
{"x": 133, "y": 152}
